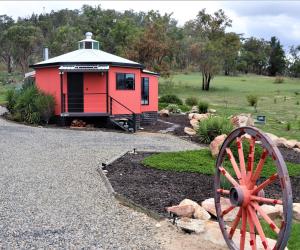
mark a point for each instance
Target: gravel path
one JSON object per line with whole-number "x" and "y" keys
{"x": 51, "y": 195}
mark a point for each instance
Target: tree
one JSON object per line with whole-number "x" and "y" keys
{"x": 208, "y": 33}
{"x": 254, "y": 55}
{"x": 277, "y": 58}
{"x": 6, "y": 47}
{"x": 294, "y": 61}
{"x": 231, "y": 48}
{"x": 25, "y": 40}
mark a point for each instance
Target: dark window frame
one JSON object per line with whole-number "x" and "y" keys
{"x": 125, "y": 84}
{"x": 147, "y": 100}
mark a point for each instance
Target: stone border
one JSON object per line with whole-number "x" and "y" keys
{"x": 121, "y": 198}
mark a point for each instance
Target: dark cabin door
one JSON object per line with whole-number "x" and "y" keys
{"x": 75, "y": 92}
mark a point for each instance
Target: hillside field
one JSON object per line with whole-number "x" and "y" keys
{"x": 280, "y": 103}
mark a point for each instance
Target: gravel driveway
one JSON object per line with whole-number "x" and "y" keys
{"x": 51, "y": 195}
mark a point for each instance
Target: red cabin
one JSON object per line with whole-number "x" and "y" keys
{"x": 89, "y": 82}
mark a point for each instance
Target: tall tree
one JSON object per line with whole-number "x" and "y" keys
{"x": 294, "y": 61}
{"x": 231, "y": 48}
{"x": 208, "y": 33}
{"x": 25, "y": 40}
{"x": 277, "y": 58}
{"x": 6, "y": 52}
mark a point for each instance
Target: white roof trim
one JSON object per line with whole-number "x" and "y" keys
{"x": 30, "y": 74}
{"x": 84, "y": 68}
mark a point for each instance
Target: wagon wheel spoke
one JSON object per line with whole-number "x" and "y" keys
{"x": 259, "y": 229}
{"x": 259, "y": 167}
{"x": 265, "y": 200}
{"x": 252, "y": 232}
{"x": 223, "y": 191}
{"x": 227, "y": 210}
{"x": 266, "y": 217}
{"x": 241, "y": 158}
{"x": 267, "y": 182}
{"x": 228, "y": 176}
{"x": 234, "y": 164}
{"x": 251, "y": 155}
{"x": 235, "y": 223}
{"x": 243, "y": 229}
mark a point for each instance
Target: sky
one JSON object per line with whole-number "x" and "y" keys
{"x": 261, "y": 19}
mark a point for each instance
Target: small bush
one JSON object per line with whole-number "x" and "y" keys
{"x": 162, "y": 105}
{"x": 279, "y": 79}
{"x": 210, "y": 128}
{"x": 184, "y": 108}
{"x": 30, "y": 105}
{"x": 171, "y": 99}
{"x": 173, "y": 108}
{"x": 297, "y": 103}
{"x": 191, "y": 101}
{"x": 288, "y": 126}
{"x": 203, "y": 107}
{"x": 252, "y": 100}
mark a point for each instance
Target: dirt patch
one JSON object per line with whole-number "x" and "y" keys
{"x": 156, "y": 189}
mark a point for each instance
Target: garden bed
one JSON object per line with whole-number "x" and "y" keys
{"x": 156, "y": 189}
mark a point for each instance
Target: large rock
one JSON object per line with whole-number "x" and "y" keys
{"x": 271, "y": 211}
{"x": 291, "y": 143}
{"x": 164, "y": 113}
{"x": 189, "y": 131}
{"x": 191, "y": 115}
{"x": 194, "y": 109}
{"x": 273, "y": 137}
{"x": 199, "y": 213}
{"x": 201, "y": 117}
{"x": 194, "y": 123}
{"x": 298, "y": 145}
{"x": 281, "y": 142}
{"x": 296, "y": 211}
{"x": 209, "y": 206}
{"x": 191, "y": 225}
{"x": 242, "y": 120}
{"x": 212, "y": 111}
{"x": 182, "y": 211}
{"x": 216, "y": 144}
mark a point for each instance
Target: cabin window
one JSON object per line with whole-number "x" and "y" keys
{"x": 145, "y": 91}
{"x": 95, "y": 45}
{"x": 125, "y": 81}
{"x": 81, "y": 45}
{"x": 88, "y": 45}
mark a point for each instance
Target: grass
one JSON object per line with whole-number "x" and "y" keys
{"x": 201, "y": 161}
{"x": 294, "y": 240}
{"x": 228, "y": 95}
{"x": 8, "y": 81}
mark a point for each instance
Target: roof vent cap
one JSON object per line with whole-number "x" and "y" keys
{"x": 88, "y": 35}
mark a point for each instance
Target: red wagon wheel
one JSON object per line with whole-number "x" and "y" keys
{"x": 239, "y": 178}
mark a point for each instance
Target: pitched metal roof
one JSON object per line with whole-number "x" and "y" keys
{"x": 88, "y": 56}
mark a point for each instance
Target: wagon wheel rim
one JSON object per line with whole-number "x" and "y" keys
{"x": 245, "y": 193}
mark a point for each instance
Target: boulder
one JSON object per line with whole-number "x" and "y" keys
{"x": 191, "y": 116}
{"x": 272, "y": 137}
{"x": 296, "y": 211}
{"x": 201, "y": 117}
{"x": 164, "y": 113}
{"x": 298, "y": 145}
{"x": 195, "y": 124}
{"x": 194, "y": 109}
{"x": 212, "y": 111}
{"x": 280, "y": 209}
{"x": 242, "y": 120}
{"x": 291, "y": 143}
{"x": 209, "y": 206}
{"x": 281, "y": 142}
{"x": 189, "y": 131}
{"x": 199, "y": 213}
{"x": 191, "y": 225}
{"x": 182, "y": 211}
{"x": 216, "y": 144}
{"x": 271, "y": 211}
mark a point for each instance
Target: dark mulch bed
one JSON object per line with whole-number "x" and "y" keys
{"x": 156, "y": 189}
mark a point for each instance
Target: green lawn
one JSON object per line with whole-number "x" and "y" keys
{"x": 8, "y": 81}
{"x": 279, "y": 102}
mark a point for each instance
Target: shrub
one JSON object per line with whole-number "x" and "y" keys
{"x": 184, "y": 108}
{"x": 212, "y": 127}
{"x": 191, "y": 101}
{"x": 45, "y": 105}
{"x": 162, "y": 105}
{"x": 11, "y": 96}
{"x": 203, "y": 107}
{"x": 173, "y": 108}
{"x": 279, "y": 79}
{"x": 171, "y": 99}
{"x": 30, "y": 105}
{"x": 252, "y": 100}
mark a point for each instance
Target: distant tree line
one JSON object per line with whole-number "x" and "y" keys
{"x": 153, "y": 39}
